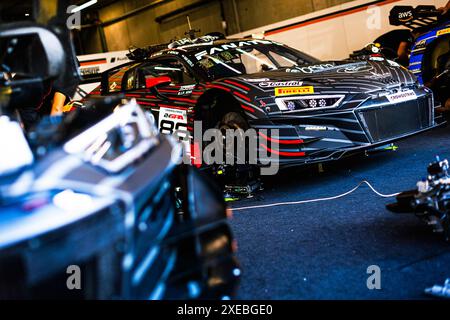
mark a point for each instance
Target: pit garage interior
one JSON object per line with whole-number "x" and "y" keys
{"x": 287, "y": 246}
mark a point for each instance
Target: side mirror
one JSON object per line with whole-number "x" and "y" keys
{"x": 34, "y": 54}
{"x": 30, "y": 50}
{"x": 152, "y": 82}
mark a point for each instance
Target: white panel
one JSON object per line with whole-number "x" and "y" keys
{"x": 337, "y": 37}
{"x": 294, "y": 38}
{"x": 328, "y": 41}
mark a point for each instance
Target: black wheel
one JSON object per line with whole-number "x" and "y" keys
{"x": 232, "y": 120}
{"x": 242, "y": 173}
{"x": 441, "y": 86}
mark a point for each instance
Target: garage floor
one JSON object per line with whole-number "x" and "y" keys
{"x": 322, "y": 250}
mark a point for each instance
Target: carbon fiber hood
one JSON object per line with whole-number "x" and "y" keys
{"x": 349, "y": 77}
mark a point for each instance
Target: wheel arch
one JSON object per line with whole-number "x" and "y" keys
{"x": 213, "y": 105}
{"x": 435, "y": 49}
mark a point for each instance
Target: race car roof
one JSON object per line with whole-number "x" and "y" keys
{"x": 196, "y": 45}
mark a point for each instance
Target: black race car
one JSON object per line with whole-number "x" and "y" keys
{"x": 323, "y": 110}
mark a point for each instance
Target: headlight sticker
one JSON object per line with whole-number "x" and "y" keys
{"x": 307, "y": 103}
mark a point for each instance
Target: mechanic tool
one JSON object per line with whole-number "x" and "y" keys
{"x": 440, "y": 291}
{"x": 237, "y": 191}
{"x": 384, "y": 148}
{"x": 430, "y": 201}
{"x": 238, "y": 182}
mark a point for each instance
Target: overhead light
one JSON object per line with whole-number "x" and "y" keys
{"x": 83, "y": 6}
{"x": 27, "y": 14}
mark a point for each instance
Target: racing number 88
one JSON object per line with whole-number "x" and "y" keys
{"x": 169, "y": 127}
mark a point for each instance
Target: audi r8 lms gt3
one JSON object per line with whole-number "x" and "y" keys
{"x": 322, "y": 110}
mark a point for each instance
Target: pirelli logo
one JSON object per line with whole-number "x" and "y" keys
{"x": 442, "y": 32}
{"x": 292, "y": 91}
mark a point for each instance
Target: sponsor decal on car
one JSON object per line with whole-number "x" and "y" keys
{"x": 119, "y": 59}
{"x": 377, "y": 59}
{"x": 173, "y": 122}
{"x": 356, "y": 68}
{"x": 393, "y": 63}
{"x": 378, "y": 76}
{"x": 189, "y": 41}
{"x": 273, "y": 84}
{"x": 316, "y": 128}
{"x": 112, "y": 86}
{"x": 186, "y": 90}
{"x": 291, "y": 91}
{"x": 314, "y": 68}
{"x": 402, "y": 96}
{"x": 442, "y": 32}
{"x": 189, "y": 62}
{"x": 420, "y": 44}
{"x": 256, "y": 79}
{"x": 89, "y": 70}
{"x": 405, "y": 16}
{"x": 228, "y": 46}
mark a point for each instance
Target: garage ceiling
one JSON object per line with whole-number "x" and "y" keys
{"x": 22, "y": 10}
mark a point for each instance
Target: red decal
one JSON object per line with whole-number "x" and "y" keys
{"x": 240, "y": 95}
{"x": 237, "y": 85}
{"x": 184, "y": 100}
{"x": 282, "y": 153}
{"x": 247, "y": 108}
{"x": 152, "y": 82}
{"x": 296, "y": 141}
{"x": 215, "y": 86}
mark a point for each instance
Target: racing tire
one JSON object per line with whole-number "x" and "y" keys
{"x": 234, "y": 121}
{"x": 241, "y": 173}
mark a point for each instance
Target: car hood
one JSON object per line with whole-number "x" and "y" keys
{"x": 348, "y": 77}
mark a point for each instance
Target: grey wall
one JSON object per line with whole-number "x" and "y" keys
{"x": 141, "y": 29}
{"x": 257, "y": 13}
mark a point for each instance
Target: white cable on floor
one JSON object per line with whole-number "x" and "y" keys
{"x": 319, "y": 199}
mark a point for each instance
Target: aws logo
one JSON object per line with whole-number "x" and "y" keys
{"x": 405, "y": 16}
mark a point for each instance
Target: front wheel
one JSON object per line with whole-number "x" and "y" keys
{"x": 241, "y": 175}
{"x": 232, "y": 120}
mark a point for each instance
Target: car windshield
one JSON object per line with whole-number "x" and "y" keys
{"x": 219, "y": 63}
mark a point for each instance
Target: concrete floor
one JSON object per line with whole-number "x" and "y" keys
{"x": 322, "y": 250}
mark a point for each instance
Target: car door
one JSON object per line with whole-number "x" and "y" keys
{"x": 169, "y": 103}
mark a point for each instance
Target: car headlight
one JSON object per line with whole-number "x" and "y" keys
{"x": 308, "y": 103}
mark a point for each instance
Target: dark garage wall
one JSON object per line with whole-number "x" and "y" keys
{"x": 240, "y": 15}
{"x": 257, "y": 13}
{"x": 142, "y": 29}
